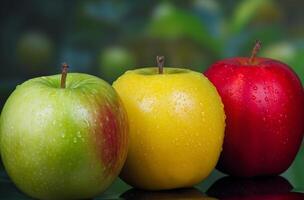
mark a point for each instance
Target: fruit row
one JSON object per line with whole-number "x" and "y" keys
{"x": 69, "y": 136}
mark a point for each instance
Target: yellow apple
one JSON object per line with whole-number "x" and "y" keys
{"x": 177, "y": 126}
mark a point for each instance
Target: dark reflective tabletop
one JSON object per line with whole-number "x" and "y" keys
{"x": 288, "y": 186}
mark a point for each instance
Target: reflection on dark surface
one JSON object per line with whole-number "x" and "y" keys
{"x": 9, "y": 191}
{"x": 2, "y": 172}
{"x": 229, "y": 186}
{"x": 190, "y": 193}
{"x": 262, "y": 188}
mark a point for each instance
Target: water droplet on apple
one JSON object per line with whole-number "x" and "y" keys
{"x": 255, "y": 87}
{"x": 285, "y": 141}
{"x": 79, "y": 134}
{"x": 230, "y": 93}
{"x": 75, "y": 140}
{"x": 253, "y": 97}
{"x": 266, "y": 99}
{"x": 264, "y": 119}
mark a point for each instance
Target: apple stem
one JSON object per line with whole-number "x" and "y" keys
{"x": 64, "y": 74}
{"x": 160, "y": 63}
{"x": 255, "y": 50}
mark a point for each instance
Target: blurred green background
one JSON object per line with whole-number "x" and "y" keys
{"x": 106, "y": 38}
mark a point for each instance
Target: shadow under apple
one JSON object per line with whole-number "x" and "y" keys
{"x": 9, "y": 191}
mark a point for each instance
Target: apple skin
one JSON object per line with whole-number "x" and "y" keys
{"x": 177, "y": 124}
{"x": 63, "y": 143}
{"x": 264, "y": 106}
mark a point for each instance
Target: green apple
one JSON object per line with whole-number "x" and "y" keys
{"x": 63, "y": 141}
{"x": 114, "y": 61}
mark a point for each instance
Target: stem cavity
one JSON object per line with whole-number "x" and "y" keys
{"x": 255, "y": 50}
{"x": 160, "y": 60}
{"x": 64, "y": 73}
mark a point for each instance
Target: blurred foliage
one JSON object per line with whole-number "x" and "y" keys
{"x": 169, "y": 22}
{"x": 105, "y": 38}
{"x": 34, "y": 50}
{"x": 36, "y": 37}
{"x": 114, "y": 61}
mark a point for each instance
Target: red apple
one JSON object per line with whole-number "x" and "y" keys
{"x": 264, "y": 105}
